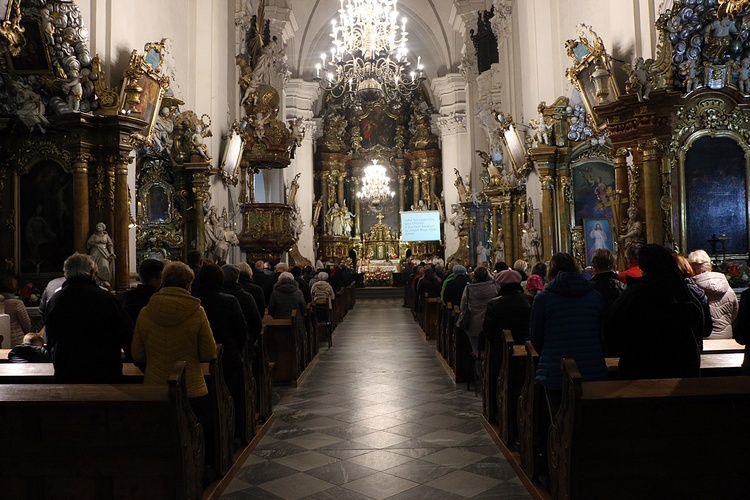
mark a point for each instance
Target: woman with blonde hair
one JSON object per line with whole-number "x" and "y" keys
{"x": 721, "y": 298}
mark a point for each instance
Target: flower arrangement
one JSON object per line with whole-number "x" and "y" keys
{"x": 735, "y": 276}
{"x": 378, "y": 278}
{"x": 30, "y": 295}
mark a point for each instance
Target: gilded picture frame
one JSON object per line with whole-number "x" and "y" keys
{"x": 33, "y": 58}
{"x": 142, "y": 92}
{"x": 515, "y": 146}
{"x": 591, "y": 73}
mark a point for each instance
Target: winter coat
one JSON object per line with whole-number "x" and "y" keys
{"x": 227, "y": 324}
{"x": 609, "y": 285}
{"x": 174, "y": 327}
{"x": 27, "y": 353}
{"x": 454, "y": 290}
{"x": 565, "y": 323}
{"x": 285, "y": 298}
{"x": 253, "y": 317}
{"x": 323, "y": 290}
{"x": 655, "y": 328}
{"x": 86, "y": 329}
{"x": 247, "y": 283}
{"x": 20, "y": 323}
{"x": 722, "y": 301}
{"x": 474, "y": 305}
{"x": 136, "y": 299}
{"x": 511, "y": 310}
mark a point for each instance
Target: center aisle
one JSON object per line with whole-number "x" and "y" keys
{"x": 377, "y": 417}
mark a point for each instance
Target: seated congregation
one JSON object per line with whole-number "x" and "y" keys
{"x": 569, "y": 361}
{"x": 205, "y": 342}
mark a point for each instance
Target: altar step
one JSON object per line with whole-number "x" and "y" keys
{"x": 380, "y": 292}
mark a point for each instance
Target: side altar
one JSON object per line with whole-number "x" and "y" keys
{"x": 380, "y": 248}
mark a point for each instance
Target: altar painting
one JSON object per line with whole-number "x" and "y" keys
{"x": 591, "y": 181}
{"x": 598, "y": 234}
{"x": 716, "y": 195}
{"x": 378, "y": 128}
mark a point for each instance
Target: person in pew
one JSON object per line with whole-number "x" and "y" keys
{"x": 231, "y": 285}
{"x": 721, "y": 298}
{"x": 86, "y": 328}
{"x": 321, "y": 289}
{"x": 510, "y": 310}
{"x": 429, "y": 285}
{"x": 20, "y": 323}
{"x": 566, "y": 323}
{"x": 633, "y": 271}
{"x": 536, "y": 283}
{"x": 195, "y": 262}
{"x": 52, "y": 288}
{"x": 136, "y": 299}
{"x": 174, "y": 327}
{"x": 287, "y": 297}
{"x": 474, "y": 306}
{"x": 301, "y": 283}
{"x": 454, "y": 290}
{"x": 656, "y": 325}
{"x": 687, "y": 273}
{"x": 247, "y": 282}
{"x": 32, "y": 350}
{"x": 227, "y": 324}
{"x": 262, "y": 279}
{"x": 604, "y": 279}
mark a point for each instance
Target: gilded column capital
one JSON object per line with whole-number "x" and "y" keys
{"x": 81, "y": 163}
{"x": 650, "y": 149}
{"x": 547, "y": 182}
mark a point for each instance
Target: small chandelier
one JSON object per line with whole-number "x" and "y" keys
{"x": 368, "y": 58}
{"x": 376, "y": 187}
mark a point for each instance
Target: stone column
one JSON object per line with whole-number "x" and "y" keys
{"x": 341, "y": 176}
{"x": 564, "y": 186}
{"x": 401, "y": 192}
{"x": 621, "y": 186}
{"x": 200, "y": 190}
{"x": 415, "y": 188}
{"x": 652, "y": 191}
{"x": 510, "y": 239}
{"x": 81, "y": 202}
{"x": 357, "y": 210}
{"x": 120, "y": 233}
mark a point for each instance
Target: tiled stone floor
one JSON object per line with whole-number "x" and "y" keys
{"x": 377, "y": 417}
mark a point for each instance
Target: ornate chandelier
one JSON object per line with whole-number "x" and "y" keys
{"x": 369, "y": 55}
{"x": 376, "y": 187}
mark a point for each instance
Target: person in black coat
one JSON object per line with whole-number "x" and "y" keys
{"x": 86, "y": 328}
{"x": 227, "y": 323}
{"x": 263, "y": 280}
{"x": 657, "y": 323}
{"x": 510, "y": 310}
{"x": 454, "y": 289}
{"x": 247, "y": 282}
{"x": 605, "y": 280}
{"x": 252, "y": 316}
{"x": 136, "y": 299}
{"x": 303, "y": 286}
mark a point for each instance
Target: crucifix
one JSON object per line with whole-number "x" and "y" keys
{"x": 612, "y": 200}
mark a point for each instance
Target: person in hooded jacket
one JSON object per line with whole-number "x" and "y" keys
{"x": 454, "y": 290}
{"x": 605, "y": 280}
{"x": 174, "y": 327}
{"x": 474, "y": 305}
{"x": 721, "y": 298}
{"x": 285, "y": 298}
{"x": 565, "y": 323}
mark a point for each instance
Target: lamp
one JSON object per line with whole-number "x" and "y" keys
{"x": 368, "y": 58}
{"x": 376, "y": 186}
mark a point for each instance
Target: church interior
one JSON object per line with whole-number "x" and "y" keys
{"x": 306, "y": 131}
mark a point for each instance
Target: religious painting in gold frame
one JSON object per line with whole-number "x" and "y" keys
{"x": 514, "y": 145}
{"x": 142, "y": 92}
{"x": 33, "y": 58}
{"x": 591, "y": 73}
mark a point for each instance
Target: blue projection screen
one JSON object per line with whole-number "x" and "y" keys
{"x": 420, "y": 226}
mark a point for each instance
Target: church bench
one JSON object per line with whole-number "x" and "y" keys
{"x": 660, "y": 438}
{"x": 323, "y": 315}
{"x": 311, "y": 344}
{"x": 100, "y": 441}
{"x": 508, "y": 385}
{"x": 340, "y": 307}
{"x": 222, "y": 406}
{"x": 285, "y": 348}
{"x": 430, "y": 317}
{"x": 263, "y": 379}
{"x": 721, "y": 346}
{"x": 440, "y": 341}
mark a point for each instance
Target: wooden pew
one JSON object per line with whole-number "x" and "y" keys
{"x": 246, "y": 407}
{"x": 285, "y": 348}
{"x": 340, "y": 307}
{"x": 323, "y": 319}
{"x": 101, "y": 441}
{"x": 430, "y": 317}
{"x": 717, "y": 346}
{"x": 263, "y": 379}
{"x": 665, "y": 438}
{"x": 508, "y": 388}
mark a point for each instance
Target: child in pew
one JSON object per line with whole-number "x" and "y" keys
{"x": 31, "y": 351}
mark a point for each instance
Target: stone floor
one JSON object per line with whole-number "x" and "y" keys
{"x": 377, "y": 417}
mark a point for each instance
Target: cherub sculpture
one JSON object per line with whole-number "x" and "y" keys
{"x": 639, "y": 79}
{"x": 30, "y": 107}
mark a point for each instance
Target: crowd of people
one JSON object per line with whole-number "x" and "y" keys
{"x": 653, "y": 315}
{"x": 178, "y": 312}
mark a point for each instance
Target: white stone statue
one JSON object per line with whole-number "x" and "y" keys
{"x": 333, "y": 218}
{"x": 499, "y": 248}
{"x": 101, "y": 249}
{"x": 30, "y": 107}
{"x": 346, "y": 220}
{"x": 162, "y": 133}
{"x": 213, "y": 230}
{"x": 743, "y": 78}
{"x": 483, "y": 255}
{"x": 639, "y": 79}
{"x": 532, "y": 245}
{"x": 73, "y": 87}
{"x": 459, "y": 217}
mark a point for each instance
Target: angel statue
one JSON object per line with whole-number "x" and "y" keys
{"x": 457, "y": 221}
{"x": 461, "y": 186}
{"x": 639, "y": 79}
{"x": 291, "y": 195}
{"x": 492, "y": 167}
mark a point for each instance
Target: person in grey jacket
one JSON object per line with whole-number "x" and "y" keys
{"x": 474, "y": 305}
